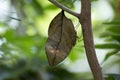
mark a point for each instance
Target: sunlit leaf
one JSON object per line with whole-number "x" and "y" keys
{"x": 68, "y": 3}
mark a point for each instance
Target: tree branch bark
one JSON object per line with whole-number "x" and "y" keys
{"x": 85, "y": 20}
{"x": 64, "y": 8}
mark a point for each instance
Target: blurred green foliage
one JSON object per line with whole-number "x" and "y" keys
{"x": 22, "y": 46}
{"x": 111, "y": 36}
{"x": 68, "y": 3}
{"x": 22, "y": 43}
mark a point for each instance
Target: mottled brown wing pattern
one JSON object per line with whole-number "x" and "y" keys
{"x": 61, "y": 39}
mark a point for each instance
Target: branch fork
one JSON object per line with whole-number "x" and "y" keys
{"x": 85, "y": 20}
{"x": 64, "y": 8}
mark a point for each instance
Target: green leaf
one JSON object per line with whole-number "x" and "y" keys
{"x": 51, "y": 7}
{"x": 113, "y": 76}
{"x": 109, "y": 78}
{"x": 117, "y": 38}
{"x": 108, "y": 46}
{"x": 108, "y": 37}
{"x": 68, "y": 3}
{"x": 115, "y": 22}
{"x": 114, "y": 30}
{"x": 38, "y": 8}
{"x": 110, "y": 54}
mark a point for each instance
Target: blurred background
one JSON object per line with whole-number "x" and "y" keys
{"x": 23, "y": 33}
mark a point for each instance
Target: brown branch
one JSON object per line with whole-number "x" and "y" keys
{"x": 85, "y": 20}
{"x": 64, "y": 8}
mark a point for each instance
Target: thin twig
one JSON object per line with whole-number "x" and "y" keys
{"x": 64, "y": 8}
{"x": 15, "y": 18}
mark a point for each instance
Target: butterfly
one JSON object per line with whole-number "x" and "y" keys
{"x": 61, "y": 39}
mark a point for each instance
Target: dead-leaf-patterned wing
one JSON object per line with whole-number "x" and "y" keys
{"x": 61, "y": 39}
